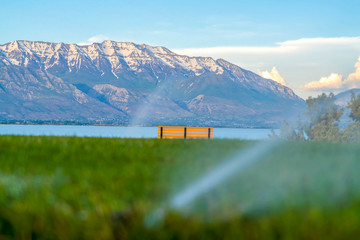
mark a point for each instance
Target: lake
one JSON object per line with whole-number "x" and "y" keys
{"x": 121, "y": 132}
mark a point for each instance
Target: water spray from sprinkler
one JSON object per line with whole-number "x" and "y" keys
{"x": 220, "y": 173}
{"x": 143, "y": 111}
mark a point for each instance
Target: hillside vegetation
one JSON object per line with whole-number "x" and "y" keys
{"x": 94, "y": 188}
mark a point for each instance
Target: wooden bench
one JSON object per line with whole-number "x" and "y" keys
{"x": 185, "y": 132}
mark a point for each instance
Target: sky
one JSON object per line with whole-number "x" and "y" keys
{"x": 310, "y": 46}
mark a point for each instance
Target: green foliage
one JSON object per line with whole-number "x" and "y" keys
{"x": 324, "y": 132}
{"x": 323, "y": 108}
{"x": 323, "y": 114}
{"x": 94, "y": 188}
{"x": 354, "y": 105}
{"x": 351, "y": 133}
{"x": 288, "y": 132}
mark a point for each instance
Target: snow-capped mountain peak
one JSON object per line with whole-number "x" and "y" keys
{"x": 115, "y": 53}
{"x": 121, "y": 75}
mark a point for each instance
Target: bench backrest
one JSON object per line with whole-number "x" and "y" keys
{"x": 185, "y": 132}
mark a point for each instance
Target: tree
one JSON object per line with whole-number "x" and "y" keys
{"x": 352, "y": 132}
{"x": 288, "y": 132}
{"x": 323, "y": 116}
{"x": 354, "y": 106}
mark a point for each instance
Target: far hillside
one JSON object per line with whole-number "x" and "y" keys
{"x": 343, "y": 98}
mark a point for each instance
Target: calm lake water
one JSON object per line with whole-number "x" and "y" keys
{"x": 122, "y": 132}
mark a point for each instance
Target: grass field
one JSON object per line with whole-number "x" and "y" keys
{"x": 97, "y": 188}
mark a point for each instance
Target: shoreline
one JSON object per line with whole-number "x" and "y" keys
{"x": 123, "y": 125}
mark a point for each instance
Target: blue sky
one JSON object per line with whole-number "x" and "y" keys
{"x": 249, "y": 30}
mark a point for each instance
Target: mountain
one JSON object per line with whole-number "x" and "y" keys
{"x": 123, "y": 82}
{"x": 343, "y": 98}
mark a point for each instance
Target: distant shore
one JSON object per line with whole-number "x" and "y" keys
{"x": 75, "y": 123}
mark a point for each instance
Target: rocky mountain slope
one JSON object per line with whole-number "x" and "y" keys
{"x": 123, "y": 82}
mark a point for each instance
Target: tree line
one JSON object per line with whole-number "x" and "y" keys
{"x": 322, "y": 121}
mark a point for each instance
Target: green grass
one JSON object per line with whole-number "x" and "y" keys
{"x": 102, "y": 188}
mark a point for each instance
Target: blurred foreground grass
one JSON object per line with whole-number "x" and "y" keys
{"x": 103, "y": 188}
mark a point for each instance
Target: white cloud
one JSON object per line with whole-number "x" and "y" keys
{"x": 314, "y": 42}
{"x": 290, "y": 46}
{"x": 234, "y": 50}
{"x": 336, "y": 81}
{"x": 94, "y": 39}
{"x": 273, "y": 75}
{"x": 301, "y": 61}
{"x": 353, "y": 79}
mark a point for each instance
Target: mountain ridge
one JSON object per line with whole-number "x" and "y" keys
{"x": 343, "y": 98}
{"x": 119, "y": 77}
